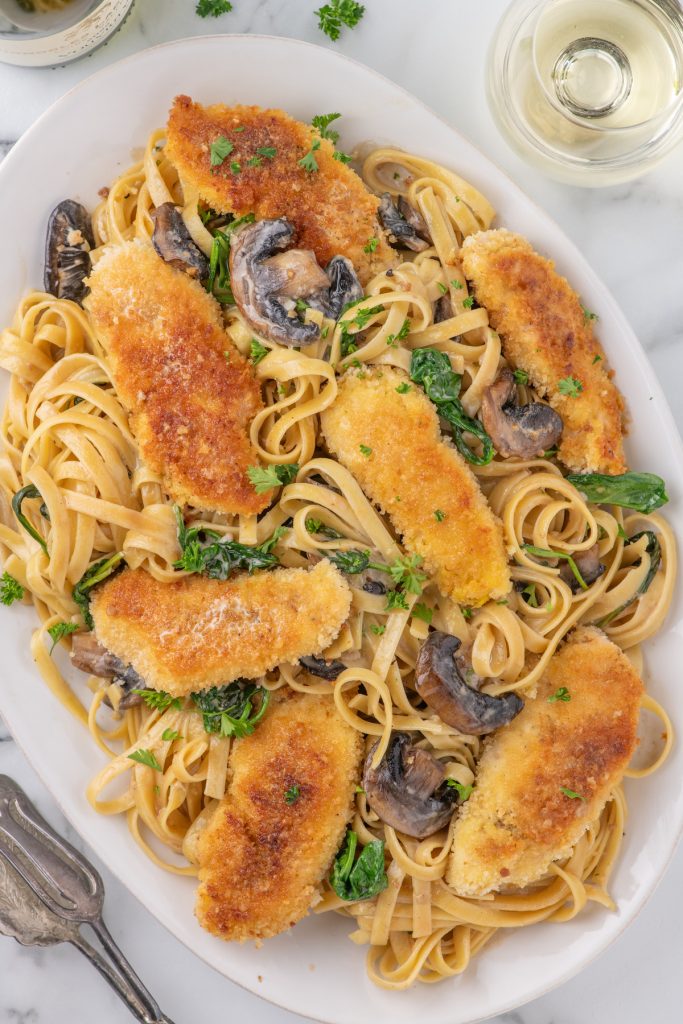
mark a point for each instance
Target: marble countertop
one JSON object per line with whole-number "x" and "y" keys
{"x": 631, "y": 235}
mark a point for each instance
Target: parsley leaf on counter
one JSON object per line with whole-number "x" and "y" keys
{"x": 333, "y": 16}
{"x": 212, "y": 8}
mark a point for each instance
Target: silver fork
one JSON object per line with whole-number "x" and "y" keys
{"x": 48, "y": 890}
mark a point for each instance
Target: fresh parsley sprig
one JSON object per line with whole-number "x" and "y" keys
{"x": 11, "y": 590}
{"x": 59, "y": 630}
{"x": 338, "y": 13}
{"x": 229, "y": 710}
{"x": 212, "y": 8}
{"x": 308, "y": 161}
{"x": 147, "y": 758}
{"x": 159, "y": 700}
{"x": 264, "y": 478}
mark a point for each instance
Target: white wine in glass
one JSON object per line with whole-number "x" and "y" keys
{"x": 589, "y": 90}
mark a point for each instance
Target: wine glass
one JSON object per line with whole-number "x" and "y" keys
{"x": 589, "y": 90}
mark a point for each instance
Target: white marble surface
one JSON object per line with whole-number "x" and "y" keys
{"x": 631, "y": 235}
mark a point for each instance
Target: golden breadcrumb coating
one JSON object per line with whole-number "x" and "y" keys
{"x": 197, "y": 632}
{"x": 332, "y": 210}
{"x": 262, "y": 859}
{"x": 410, "y": 473}
{"x": 518, "y": 820}
{"x": 190, "y": 394}
{"x": 545, "y": 331}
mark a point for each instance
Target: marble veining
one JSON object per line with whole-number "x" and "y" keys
{"x": 631, "y": 235}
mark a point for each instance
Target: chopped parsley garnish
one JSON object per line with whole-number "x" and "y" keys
{"x": 59, "y": 630}
{"x": 562, "y": 694}
{"x": 403, "y": 388}
{"x": 301, "y": 306}
{"x": 572, "y": 794}
{"x": 145, "y": 757}
{"x": 220, "y": 149}
{"x": 309, "y": 162}
{"x": 457, "y": 285}
{"x": 621, "y": 532}
{"x": 365, "y": 450}
{"x": 396, "y": 599}
{"x": 318, "y": 526}
{"x": 269, "y": 152}
{"x": 254, "y": 161}
{"x": 403, "y": 333}
{"x": 343, "y": 158}
{"x": 333, "y": 16}
{"x": 588, "y": 316}
{"x": 257, "y": 351}
{"x": 159, "y": 700}
{"x": 378, "y": 630}
{"x": 547, "y": 553}
{"x": 239, "y": 128}
{"x": 464, "y": 792}
{"x": 468, "y": 302}
{"x": 521, "y": 376}
{"x": 169, "y": 735}
{"x": 292, "y": 794}
{"x": 229, "y": 711}
{"x": 442, "y": 287}
{"x": 466, "y": 613}
{"x": 322, "y": 123}
{"x": 218, "y": 281}
{"x": 11, "y": 590}
{"x": 97, "y": 573}
{"x": 212, "y": 8}
{"x": 207, "y": 551}
{"x": 265, "y": 477}
{"x": 570, "y": 386}
{"x": 360, "y": 879}
{"x": 597, "y": 359}
{"x": 235, "y": 167}
{"x": 371, "y": 244}
{"x": 421, "y": 611}
{"x": 432, "y": 369}
{"x": 529, "y": 595}
{"x": 439, "y": 515}
{"x": 360, "y": 322}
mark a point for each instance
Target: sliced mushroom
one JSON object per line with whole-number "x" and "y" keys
{"x": 257, "y": 285}
{"x": 589, "y": 565}
{"x": 88, "y": 654}
{"x": 374, "y": 587}
{"x": 173, "y": 242}
{"x": 439, "y": 682}
{"x": 344, "y": 288}
{"x": 322, "y": 668}
{"x": 67, "y": 251}
{"x": 443, "y": 309}
{"x": 524, "y": 430}
{"x": 406, "y": 789}
{"x": 405, "y": 225}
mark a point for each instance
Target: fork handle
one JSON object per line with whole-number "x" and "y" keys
{"x": 143, "y": 1008}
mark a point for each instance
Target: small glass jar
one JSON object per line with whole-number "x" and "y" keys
{"x": 45, "y": 38}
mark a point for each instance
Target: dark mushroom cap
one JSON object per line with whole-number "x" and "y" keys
{"x": 67, "y": 251}
{"x": 589, "y": 565}
{"x": 523, "y": 430}
{"x": 404, "y": 224}
{"x": 90, "y": 656}
{"x": 344, "y": 288}
{"x": 406, "y": 789}
{"x": 321, "y": 667}
{"x": 440, "y": 684}
{"x": 174, "y": 243}
{"x": 257, "y": 287}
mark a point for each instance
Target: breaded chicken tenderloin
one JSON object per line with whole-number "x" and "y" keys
{"x": 544, "y": 331}
{"x": 330, "y": 207}
{"x": 261, "y": 858}
{"x": 196, "y": 632}
{"x": 546, "y": 776}
{"x": 392, "y": 444}
{"x": 190, "y": 394}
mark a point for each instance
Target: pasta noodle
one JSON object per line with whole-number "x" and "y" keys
{"x": 65, "y": 431}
